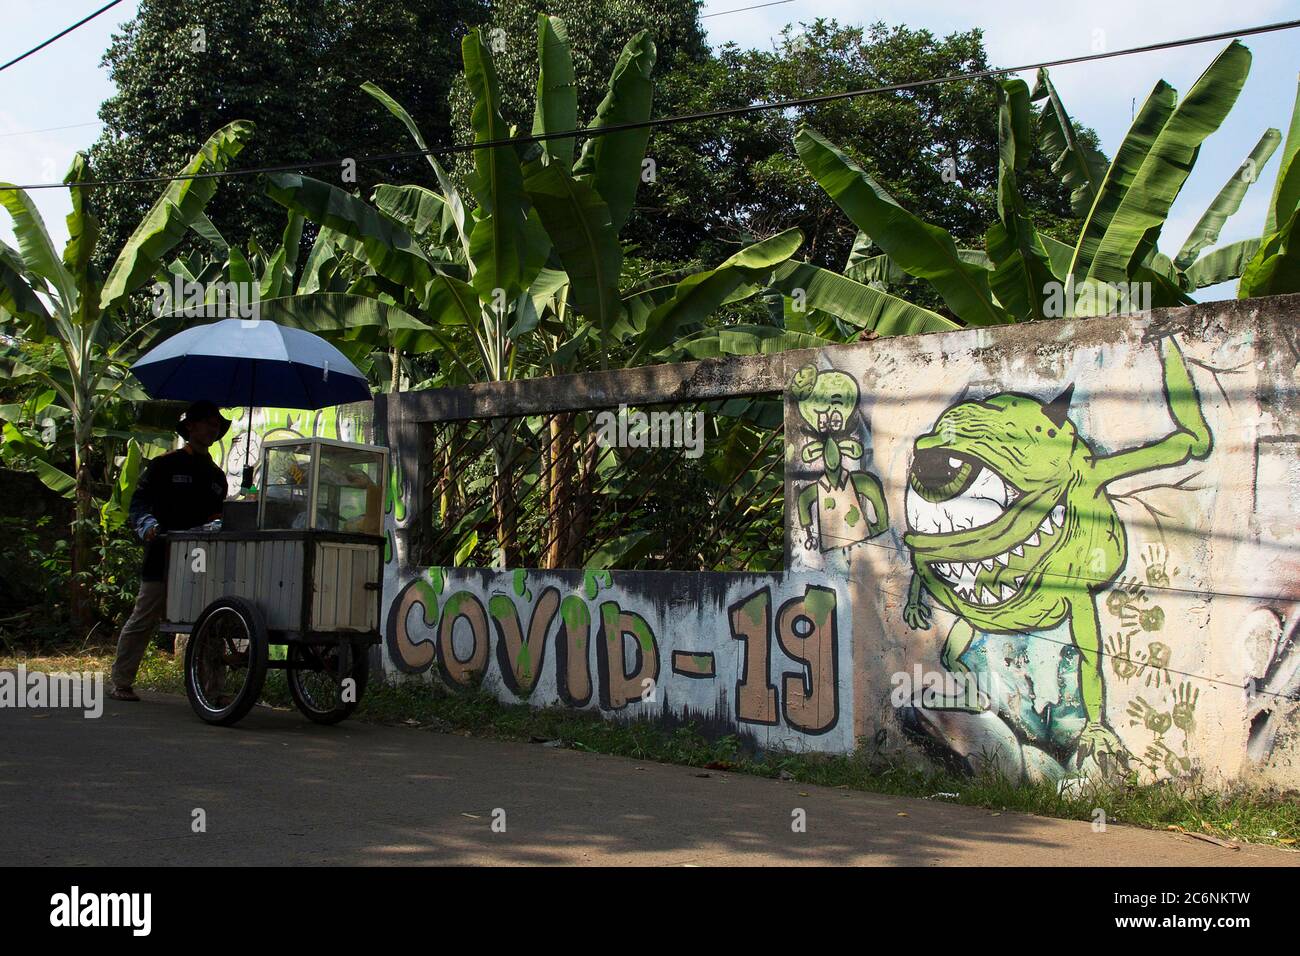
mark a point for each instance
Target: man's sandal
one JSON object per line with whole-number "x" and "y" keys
{"x": 123, "y": 693}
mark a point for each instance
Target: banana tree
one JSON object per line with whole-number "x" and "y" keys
{"x": 1022, "y": 274}
{"x": 48, "y": 298}
{"x": 1274, "y": 268}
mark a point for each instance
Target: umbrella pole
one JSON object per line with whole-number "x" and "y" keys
{"x": 248, "y": 439}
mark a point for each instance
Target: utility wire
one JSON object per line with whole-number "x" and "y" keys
{"x": 61, "y": 33}
{"x": 673, "y": 120}
{"x": 757, "y": 6}
{"x": 50, "y": 129}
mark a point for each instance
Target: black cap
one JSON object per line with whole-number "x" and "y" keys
{"x": 201, "y": 411}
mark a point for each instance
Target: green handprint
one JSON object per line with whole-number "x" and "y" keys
{"x": 1185, "y": 707}
{"x": 1158, "y": 655}
{"x": 1144, "y": 713}
{"x": 1120, "y": 649}
{"x": 1158, "y": 753}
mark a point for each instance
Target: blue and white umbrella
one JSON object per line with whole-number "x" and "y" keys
{"x": 238, "y": 362}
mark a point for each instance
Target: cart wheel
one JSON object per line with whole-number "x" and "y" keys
{"x": 317, "y": 673}
{"x": 225, "y": 660}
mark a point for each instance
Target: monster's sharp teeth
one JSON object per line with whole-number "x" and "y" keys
{"x": 1020, "y": 581}
{"x": 1003, "y": 559}
{"x": 1058, "y": 515}
{"x": 1046, "y": 526}
{"x": 1032, "y": 540}
{"x": 989, "y": 597}
{"x": 1007, "y": 593}
{"x": 988, "y": 564}
{"x": 1018, "y": 551}
{"x": 972, "y": 569}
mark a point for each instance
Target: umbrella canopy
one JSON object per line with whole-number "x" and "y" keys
{"x": 241, "y": 362}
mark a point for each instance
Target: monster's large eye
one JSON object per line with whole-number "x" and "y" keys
{"x": 938, "y": 475}
{"x": 948, "y": 491}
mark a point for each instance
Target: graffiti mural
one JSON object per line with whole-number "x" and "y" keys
{"x": 1065, "y": 550}
{"x": 848, "y": 504}
{"x": 1012, "y": 529}
{"x": 760, "y": 655}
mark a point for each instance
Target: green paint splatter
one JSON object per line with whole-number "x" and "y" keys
{"x": 820, "y": 604}
{"x": 521, "y": 583}
{"x": 828, "y": 504}
{"x": 851, "y": 519}
{"x": 576, "y": 616}
{"x": 438, "y": 579}
{"x": 756, "y": 608}
{"x": 524, "y": 665}
{"x": 703, "y": 663}
{"x": 396, "y": 505}
{"x": 501, "y": 607}
{"x": 456, "y": 602}
{"x": 610, "y": 613}
{"x": 388, "y": 546}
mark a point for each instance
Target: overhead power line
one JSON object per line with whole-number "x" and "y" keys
{"x": 50, "y": 129}
{"x": 62, "y": 33}
{"x": 757, "y": 6}
{"x": 680, "y": 118}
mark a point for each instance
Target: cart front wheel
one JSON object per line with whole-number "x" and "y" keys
{"x": 225, "y": 660}
{"x": 327, "y": 680}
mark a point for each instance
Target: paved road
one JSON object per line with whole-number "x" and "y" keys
{"x": 278, "y": 790}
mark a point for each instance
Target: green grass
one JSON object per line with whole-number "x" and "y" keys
{"x": 1240, "y": 814}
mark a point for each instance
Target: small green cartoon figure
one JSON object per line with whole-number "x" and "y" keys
{"x": 1011, "y": 528}
{"x": 849, "y": 505}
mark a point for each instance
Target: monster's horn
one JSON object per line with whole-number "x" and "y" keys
{"x": 1059, "y": 407}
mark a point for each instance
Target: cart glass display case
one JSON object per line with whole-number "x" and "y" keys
{"x": 318, "y": 484}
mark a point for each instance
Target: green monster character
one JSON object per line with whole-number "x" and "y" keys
{"x": 1011, "y": 528}
{"x": 850, "y": 505}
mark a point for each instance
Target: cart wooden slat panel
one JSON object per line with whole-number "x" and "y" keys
{"x": 265, "y": 571}
{"x": 342, "y": 601}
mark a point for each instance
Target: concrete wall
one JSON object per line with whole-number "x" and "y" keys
{"x": 1069, "y": 547}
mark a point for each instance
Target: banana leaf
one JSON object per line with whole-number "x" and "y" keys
{"x": 578, "y": 222}
{"x": 920, "y": 249}
{"x": 507, "y": 245}
{"x": 557, "y": 91}
{"x": 1280, "y": 207}
{"x": 1139, "y": 139}
{"x": 1167, "y": 164}
{"x": 699, "y": 295}
{"x": 1228, "y": 201}
{"x": 1079, "y": 167}
{"x": 172, "y": 215}
{"x": 34, "y": 246}
{"x": 450, "y": 194}
{"x": 856, "y": 303}
{"x": 358, "y": 228}
{"x": 1219, "y": 265}
{"x": 613, "y": 161}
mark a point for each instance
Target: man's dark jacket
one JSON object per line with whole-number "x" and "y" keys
{"x": 178, "y": 490}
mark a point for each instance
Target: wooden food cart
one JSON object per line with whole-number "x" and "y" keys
{"x": 304, "y": 579}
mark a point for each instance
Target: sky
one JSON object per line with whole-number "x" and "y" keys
{"x": 49, "y": 102}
